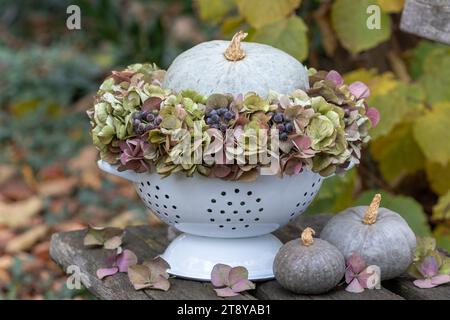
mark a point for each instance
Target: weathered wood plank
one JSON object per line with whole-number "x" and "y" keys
{"x": 67, "y": 249}
{"x": 272, "y": 290}
{"x": 427, "y": 18}
{"x": 406, "y": 288}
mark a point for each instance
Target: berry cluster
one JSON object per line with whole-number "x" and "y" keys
{"x": 144, "y": 121}
{"x": 219, "y": 118}
{"x": 284, "y": 126}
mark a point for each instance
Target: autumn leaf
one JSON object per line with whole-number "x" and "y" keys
{"x": 398, "y": 153}
{"x": 18, "y": 214}
{"x": 213, "y": 11}
{"x": 349, "y": 19}
{"x": 391, "y": 6}
{"x": 441, "y": 210}
{"x": 288, "y": 35}
{"x": 263, "y": 12}
{"x": 438, "y": 176}
{"x": 432, "y": 133}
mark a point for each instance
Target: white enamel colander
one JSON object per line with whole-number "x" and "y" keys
{"x": 226, "y": 222}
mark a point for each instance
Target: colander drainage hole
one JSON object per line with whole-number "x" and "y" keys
{"x": 223, "y": 193}
{"x": 298, "y": 205}
{"x": 234, "y": 228}
{"x": 165, "y": 207}
{"x": 174, "y": 207}
{"x": 156, "y": 196}
{"x": 149, "y": 195}
{"x": 213, "y": 200}
{"x": 236, "y": 190}
{"x": 248, "y": 211}
{"x": 235, "y": 212}
{"x": 177, "y": 216}
{"x": 222, "y": 211}
{"x": 249, "y": 193}
{"x": 212, "y": 220}
{"x": 228, "y": 220}
{"x": 148, "y": 183}
{"x": 246, "y": 226}
{"x": 242, "y": 203}
{"x": 256, "y": 219}
{"x": 305, "y": 194}
{"x": 258, "y": 200}
{"x": 140, "y": 189}
{"x": 261, "y": 209}
{"x": 229, "y": 203}
{"x": 209, "y": 210}
{"x": 241, "y": 219}
{"x": 221, "y": 226}
{"x": 157, "y": 187}
{"x": 166, "y": 196}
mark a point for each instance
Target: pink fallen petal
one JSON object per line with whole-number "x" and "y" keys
{"x": 105, "y": 272}
{"x": 363, "y": 278}
{"x": 335, "y": 77}
{"x": 429, "y": 267}
{"x": 349, "y": 275}
{"x": 221, "y": 171}
{"x": 356, "y": 263}
{"x": 161, "y": 284}
{"x": 374, "y": 116}
{"x": 302, "y": 142}
{"x": 440, "y": 279}
{"x": 243, "y": 285}
{"x": 359, "y": 90}
{"x": 219, "y": 275}
{"x": 225, "y": 292}
{"x": 354, "y": 287}
{"x": 125, "y": 259}
{"x": 237, "y": 274}
{"x": 424, "y": 283}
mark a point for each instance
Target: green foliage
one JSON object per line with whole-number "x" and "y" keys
{"x": 259, "y": 13}
{"x": 349, "y": 20}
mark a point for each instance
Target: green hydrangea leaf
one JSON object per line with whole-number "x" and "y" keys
{"x": 407, "y": 207}
{"x": 213, "y": 11}
{"x": 398, "y": 153}
{"x": 349, "y": 19}
{"x": 432, "y": 133}
{"x": 288, "y": 35}
{"x": 262, "y": 12}
{"x": 438, "y": 176}
{"x": 441, "y": 210}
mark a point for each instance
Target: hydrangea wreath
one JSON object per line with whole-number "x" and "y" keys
{"x": 140, "y": 126}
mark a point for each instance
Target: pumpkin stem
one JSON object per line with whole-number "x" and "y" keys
{"x": 307, "y": 236}
{"x": 370, "y": 217}
{"x": 234, "y": 51}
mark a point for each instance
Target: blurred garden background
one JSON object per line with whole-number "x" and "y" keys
{"x": 49, "y": 181}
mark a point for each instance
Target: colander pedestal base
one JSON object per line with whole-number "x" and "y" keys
{"x": 193, "y": 257}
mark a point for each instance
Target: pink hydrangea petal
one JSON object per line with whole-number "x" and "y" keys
{"x": 356, "y": 263}
{"x": 424, "y": 283}
{"x": 237, "y": 274}
{"x": 219, "y": 275}
{"x": 354, "y": 287}
{"x": 125, "y": 259}
{"x": 243, "y": 285}
{"x": 335, "y": 77}
{"x": 359, "y": 90}
{"x": 105, "y": 272}
{"x": 226, "y": 292}
{"x": 374, "y": 116}
{"x": 349, "y": 275}
{"x": 302, "y": 142}
{"x": 440, "y": 279}
{"x": 429, "y": 267}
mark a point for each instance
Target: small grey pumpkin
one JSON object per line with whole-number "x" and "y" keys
{"x": 236, "y": 68}
{"x": 309, "y": 266}
{"x": 382, "y": 237}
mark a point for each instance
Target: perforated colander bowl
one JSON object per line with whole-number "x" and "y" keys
{"x": 214, "y": 208}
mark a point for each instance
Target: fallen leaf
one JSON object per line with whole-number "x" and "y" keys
{"x": 58, "y": 187}
{"x": 18, "y": 214}
{"x": 16, "y": 190}
{"x": 27, "y": 239}
{"x": 6, "y": 172}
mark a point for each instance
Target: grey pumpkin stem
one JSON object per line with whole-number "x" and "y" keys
{"x": 307, "y": 236}
{"x": 370, "y": 217}
{"x": 234, "y": 52}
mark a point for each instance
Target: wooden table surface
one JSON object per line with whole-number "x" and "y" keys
{"x": 67, "y": 249}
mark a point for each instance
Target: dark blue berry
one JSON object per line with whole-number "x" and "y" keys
{"x": 289, "y": 127}
{"x": 281, "y": 127}
{"x": 283, "y": 136}
{"x": 215, "y": 118}
{"x": 228, "y": 115}
{"x": 278, "y": 118}
{"x": 215, "y": 126}
{"x": 150, "y": 117}
{"x": 208, "y": 120}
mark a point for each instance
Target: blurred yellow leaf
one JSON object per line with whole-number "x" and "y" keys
{"x": 350, "y": 21}
{"x": 379, "y": 84}
{"x": 441, "y": 210}
{"x": 391, "y": 6}
{"x": 438, "y": 176}
{"x": 262, "y": 12}
{"x": 398, "y": 153}
{"x": 442, "y": 234}
{"x": 288, "y": 35}
{"x": 231, "y": 25}
{"x": 27, "y": 239}
{"x": 213, "y": 11}
{"x": 400, "y": 103}
{"x": 432, "y": 132}
{"x": 19, "y": 213}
